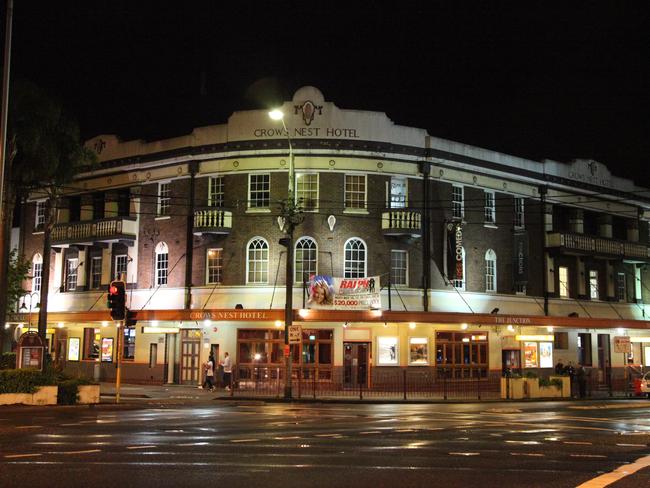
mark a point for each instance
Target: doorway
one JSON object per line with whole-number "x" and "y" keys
{"x": 604, "y": 359}
{"x": 190, "y": 351}
{"x": 356, "y": 360}
{"x": 511, "y": 361}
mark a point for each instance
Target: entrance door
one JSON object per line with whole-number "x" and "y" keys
{"x": 604, "y": 359}
{"x": 356, "y": 359}
{"x": 190, "y": 351}
{"x": 511, "y": 360}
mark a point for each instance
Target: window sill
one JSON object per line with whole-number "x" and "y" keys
{"x": 260, "y": 210}
{"x": 357, "y": 211}
{"x": 163, "y": 217}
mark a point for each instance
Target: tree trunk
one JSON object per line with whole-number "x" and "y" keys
{"x": 50, "y": 220}
{"x": 7, "y": 218}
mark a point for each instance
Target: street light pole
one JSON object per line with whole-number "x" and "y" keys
{"x": 291, "y": 215}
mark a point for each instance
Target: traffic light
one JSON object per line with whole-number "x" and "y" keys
{"x": 117, "y": 300}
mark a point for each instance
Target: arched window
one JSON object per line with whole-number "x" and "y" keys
{"x": 355, "y": 258}
{"x": 306, "y": 259}
{"x": 459, "y": 283}
{"x": 162, "y": 264}
{"x": 257, "y": 261}
{"x": 37, "y": 273}
{"x": 490, "y": 271}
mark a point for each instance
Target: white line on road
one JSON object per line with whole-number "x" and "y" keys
{"x": 619, "y": 473}
{"x": 29, "y": 427}
{"x": 140, "y": 447}
{"x": 631, "y": 445}
{"x": 89, "y": 451}
{"x": 588, "y": 455}
{"x": 244, "y": 440}
{"x": 464, "y": 453}
{"x": 22, "y": 455}
{"x": 291, "y": 437}
{"x": 577, "y": 443}
{"x": 531, "y": 454}
{"x": 367, "y": 432}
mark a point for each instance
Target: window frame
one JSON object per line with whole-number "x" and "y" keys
{"x": 39, "y": 215}
{"x": 265, "y": 202}
{"x": 621, "y": 287}
{"x": 264, "y": 273}
{"x": 346, "y": 192}
{"x": 71, "y": 272}
{"x": 117, "y": 257}
{"x": 92, "y": 273}
{"x": 163, "y": 202}
{"x": 566, "y": 291}
{"x": 316, "y": 200}
{"x": 216, "y": 191}
{"x": 396, "y": 202}
{"x": 594, "y": 291}
{"x": 490, "y": 265}
{"x": 520, "y": 213}
{"x": 162, "y": 273}
{"x": 405, "y": 255}
{"x": 298, "y": 278}
{"x": 490, "y": 211}
{"x": 347, "y": 270}
{"x": 218, "y": 267}
{"x": 458, "y": 205}
{"x": 37, "y": 273}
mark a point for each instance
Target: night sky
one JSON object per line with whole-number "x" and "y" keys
{"x": 533, "y": 79}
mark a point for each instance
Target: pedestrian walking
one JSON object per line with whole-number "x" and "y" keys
{"x": 227, "y": 371}
{"x": 209, "y": 373}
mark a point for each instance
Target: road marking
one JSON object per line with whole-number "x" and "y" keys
{"x": 244, "y": 440}
{"x": 140, "y": 447}
{"x": 286, "y": 438}
{"x": 405, "y": 430}
{"x": 29, "y": 427}
{"x": 619, "y": 473}
{"x": 588, "y": 455}
{"x": 577, "y": 443}
{"x": 327, "y": 435}
{"x": 632, "y": 445}
{"x": 464, "y": 453}
{"x": 531, "y": 454}
{"x": 370, "y": 432}
{"x": 70, "y": 425}
{"x": 22, "y": 455}
{"x": 608, "y": 406}
{"x": 89, "y": 451}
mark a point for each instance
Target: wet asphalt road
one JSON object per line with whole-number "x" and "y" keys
{"x": 233, "y": 444}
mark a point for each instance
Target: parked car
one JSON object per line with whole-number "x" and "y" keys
{"x": 642, "y": 385}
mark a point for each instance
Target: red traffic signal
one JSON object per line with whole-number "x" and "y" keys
{"x": 117, "y": 300}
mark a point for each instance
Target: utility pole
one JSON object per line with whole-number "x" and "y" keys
{"x": 4, "y": 218}
{"x": 542, "y": 216}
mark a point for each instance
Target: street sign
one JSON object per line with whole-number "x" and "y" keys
{"x": 295, "y": 334}
{"x": 622, "y": 344}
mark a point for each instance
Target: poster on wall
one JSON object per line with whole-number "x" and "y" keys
{"x": 545, "y": 354}
{"x": 107, "y": 349}
{"x": 530, "y": 355}
{"x": 387, "y": 350}
{"x": 73, "y": 349}
{"x": 327, "y": 292}
{"x": 418, "y": 351}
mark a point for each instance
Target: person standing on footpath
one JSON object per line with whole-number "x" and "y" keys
{"x": 227, "y": 370}
{"x": 570, "y": 370}
{"x": 581, "y": 374}
{"x": 209, "y": 373}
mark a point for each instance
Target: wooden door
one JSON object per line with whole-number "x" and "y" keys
{"x": 190, "y": 356}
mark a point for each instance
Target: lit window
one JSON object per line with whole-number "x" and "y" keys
{"x": 593, "y": 284}
{"x": 121, "y": 266}
{"x": 355, "y": 191}
{"x": 71, "y": 274}
{"x": 457, "y": 206}
{"x": 164, "y": 199}
{"x": 37, "y": 273}
{"x": 621, "y": 287}
{"x": 490, "y": 271}
{"x": 355, "y": 258}
{"x": 40, "y": 215}
{"x": 398, "y": 267}
{"x": 563, "y": 273}
{"x": 397, "y": 192}
{"x": 162, "y": 264}
{"x": 257, "y": 264}
{"x": 215, "y": 266}
{"x": 306, "y": 257}
{"x": 215, "y": 191}
{"x": 307, "y": 191}
{"x": 259, "y": 190}
{"x": 490, "y": 208}
{"x": 519, "y": 213}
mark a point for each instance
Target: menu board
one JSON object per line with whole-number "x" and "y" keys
{"x": 73, "y": 349}
{"x": 418, "y": 350}
{"x": 387, "y": 351}
{"x": 31, "y": 357}
{"x": 107, "y": 349}
{"x": 530, "y": 355}
{"x": 545, "y": 354}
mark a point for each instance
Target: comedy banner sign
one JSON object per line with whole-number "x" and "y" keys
{"x": 326, "y": 292}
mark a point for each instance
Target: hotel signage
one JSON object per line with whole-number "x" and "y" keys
{"x": 231, "y": 315}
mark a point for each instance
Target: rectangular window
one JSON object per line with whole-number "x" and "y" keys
{"x": 95, "y": 272}
{"x": 355, "y": 191}
{"x": 519, "y": 213}
{"x": 457, "y": 206}
{"x": 121, "y": 264}
{"x": 98, "y": 206}
{"x": 71, "y": 274}
{"x": 593, "y": 284}
{"x": 164, "y": 199}
{"x": 561, "y": 340}
{"x": 397, "y": 194}
{"x": 490, "y": 275}
{"x": 259, "y": 190}
{"x": 398, "y": 267}
{"x": 563, "y": 273}
{"x": 461, "y": 355}
{"x": 40, "y": 215}
{"x": 162, "y": 265}
{"x": 129, "y": 343}
{"x": 37, "y": 277}
{"x": 490, "y": 207}
{"x": 584, "y": 349}
{"x": 215, "y": 191}
{"x": 92, "y": 339}
{"x": 124, "y": 202}
{"x": 215, "y": 266}
{"x": 621, "y": 287}
{"x": 307, "y": 191}
{"x": 418, "y": 351}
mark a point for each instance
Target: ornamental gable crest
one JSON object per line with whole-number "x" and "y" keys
{"x": 308, "y": 110}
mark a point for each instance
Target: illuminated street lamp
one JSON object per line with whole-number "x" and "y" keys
{"x": 292, "y": 215}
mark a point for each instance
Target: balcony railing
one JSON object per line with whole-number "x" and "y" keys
{"x": 110, "y": 229}
{"x": 399, "y": 222}
{"x": 601, "y": 246}
{"x": 212, "y": 220}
